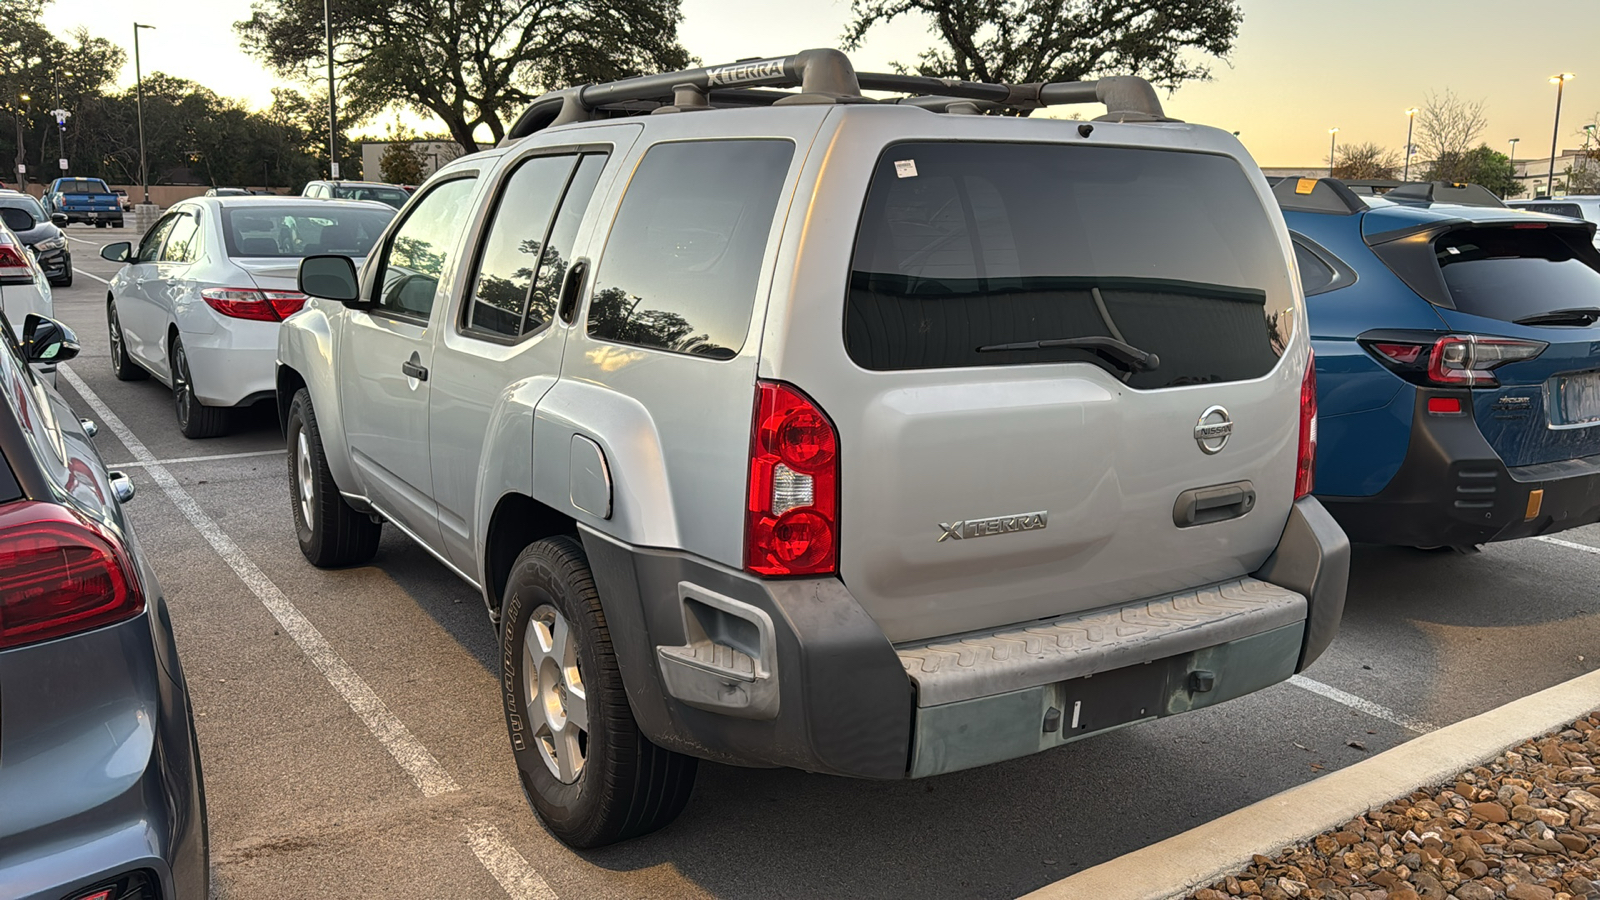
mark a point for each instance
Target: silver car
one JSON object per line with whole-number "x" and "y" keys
{"x": 876, "y": 439}
{"x": 199, "y": 302}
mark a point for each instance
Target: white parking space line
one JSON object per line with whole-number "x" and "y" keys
{"x": 192, "y": 459}
{"x": 90, "y": 275}
{"x": 430, "y": 777}
{"x": 1360, "y": 705}
{"x": 1570, "y": 545}
{"x": 506, "y": 864}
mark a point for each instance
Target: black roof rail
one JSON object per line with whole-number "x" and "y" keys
{"x": 1461, "y": 194}
{"x": 1318, "y": 195}
{"x": 823, "y": 75}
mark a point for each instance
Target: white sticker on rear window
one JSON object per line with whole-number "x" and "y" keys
{"x": 906, "y": 168}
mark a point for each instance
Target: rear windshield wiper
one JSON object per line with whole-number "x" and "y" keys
{"x": 1583, "y": 315}
{"x": 1121, "y": 353}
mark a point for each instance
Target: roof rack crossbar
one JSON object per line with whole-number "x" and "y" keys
{"x": 826, "y": 75}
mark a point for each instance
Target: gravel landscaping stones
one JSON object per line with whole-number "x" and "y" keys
{"x": 1524, "y": 826}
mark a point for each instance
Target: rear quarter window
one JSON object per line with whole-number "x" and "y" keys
{"x": 684, "y": 256}
{"x": 970, "y": 253}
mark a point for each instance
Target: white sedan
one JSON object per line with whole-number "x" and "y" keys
{"x": 199, "y": 302}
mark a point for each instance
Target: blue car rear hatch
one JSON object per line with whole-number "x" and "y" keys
{"x": 1519, "y": 295}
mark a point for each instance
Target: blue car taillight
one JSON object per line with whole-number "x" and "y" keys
{"x": 1451, "y": 360}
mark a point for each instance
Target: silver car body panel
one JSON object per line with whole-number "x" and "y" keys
{"x": 923, "y": 447}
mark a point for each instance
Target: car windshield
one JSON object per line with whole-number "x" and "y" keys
{"x": 81, "y": 186}
{"x": 294, "y": 231}
{"x": 25, "y": 202}
{"x": 395, "y": 197}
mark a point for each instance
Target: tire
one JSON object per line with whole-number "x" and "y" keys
{"x": 99, "y": 224}
{"x": 617, "y": 785}
{"x": 122, "y": 365}
{"x": 195, "y": 419}
{"x": 63, "y": 281}
{"x": 331, "y": 533}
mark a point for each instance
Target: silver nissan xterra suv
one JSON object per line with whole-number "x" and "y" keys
{"x": 880, "y": 438}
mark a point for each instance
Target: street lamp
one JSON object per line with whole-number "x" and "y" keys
{"x": 22, "y": 168}
{"x": 1411, "y": 119}
{"x": 1560, "y": 81}
{"x": 61, "y": 114}
{"x": 138, "y": 81}
{"x": 333, "y": 120}
{"x": 1333, "y": 138}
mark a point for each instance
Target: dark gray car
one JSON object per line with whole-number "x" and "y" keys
{"x": 45, "y": 237}
{"x": 100, "y": 788}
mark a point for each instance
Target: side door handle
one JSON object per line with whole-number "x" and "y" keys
{"x": 570, "y": 287}
{"x": 413, "y": 368}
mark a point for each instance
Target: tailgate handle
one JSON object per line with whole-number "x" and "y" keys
{"x": 1219, "y": 502}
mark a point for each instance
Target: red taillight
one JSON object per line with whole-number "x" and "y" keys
{"x": 249, "y": 303}
{"x": 1401, "y": 353}
{"x": 12, "y": 263}
{"x": 1444, "y": 406}
{"x": 1306, "y": 458}
{"x": 792, "y": 523}
{"x": 1467, "y": 360}
{"x": 60, "y": 574}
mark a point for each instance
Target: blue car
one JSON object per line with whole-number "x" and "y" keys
{"x": 1458, "y": 365}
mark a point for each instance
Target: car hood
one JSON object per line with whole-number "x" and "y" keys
{"x": 44, "y": 231}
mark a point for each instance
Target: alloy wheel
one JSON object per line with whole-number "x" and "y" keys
{"x": 557, "y": 701}
{"x": 302, "y": 473}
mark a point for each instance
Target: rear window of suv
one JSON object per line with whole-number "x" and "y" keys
{"x": 1513, "y": 273}
{"x": 984, "y": 254}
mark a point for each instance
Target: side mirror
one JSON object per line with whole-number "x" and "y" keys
{"x": 59, "y": 220}
{"x": 16, "y": 219}
{"x": 118, "y": 252}
{"x": 47, "y": 341}
{"x": 331, "y": 277}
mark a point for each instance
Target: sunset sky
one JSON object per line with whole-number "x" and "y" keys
{"x": 1298, "y": 68}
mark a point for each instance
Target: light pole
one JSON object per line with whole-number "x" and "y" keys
{"x": 1411, "y": 119}
{"x": 1560, "y": 81}
{"x": 22, "y": 167}
{"x": 138, "y": 81}
{"x": 1333, "y": 139}
{"x": 61, "y": 114}
{"x": 333, "y": 119}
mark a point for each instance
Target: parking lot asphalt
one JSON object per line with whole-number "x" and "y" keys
{"x": 303, "y": 759}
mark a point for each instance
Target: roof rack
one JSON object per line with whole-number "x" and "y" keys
{"x": 1445, "y": 192}
{"x": 1318, "y": 195}
{"x": 824, "y": 76}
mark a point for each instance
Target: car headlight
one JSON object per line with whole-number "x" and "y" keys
{"x": 55, "y": 243}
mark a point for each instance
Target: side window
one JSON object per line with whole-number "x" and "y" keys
{"x": 510, "y": 255}
{"x": 1315, "y": 275}
{"x": 684, "y": 255}
{"x": 558, "y": 247}
{"x": 150, "y": 247}
{"x": 183, "y": 242}
{"x": 419, "y": 250}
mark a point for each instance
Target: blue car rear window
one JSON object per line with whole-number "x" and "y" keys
{"x": 1508, "y": 274}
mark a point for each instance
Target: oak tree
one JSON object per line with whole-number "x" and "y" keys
{"x": 1026, "y": 41}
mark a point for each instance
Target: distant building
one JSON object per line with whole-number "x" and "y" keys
{"x": 1533, "y": 174}
{"x": 1291, "y": 172}
{"x": 433, "y": 153}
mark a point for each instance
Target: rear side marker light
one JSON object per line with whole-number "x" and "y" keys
{"x": 255, "y": 305}
{"x": 60, "y": 574}
{"x": 1444, "y": 406}
{"x": 792, "y": 518}
{"x": 1306, "y": 457}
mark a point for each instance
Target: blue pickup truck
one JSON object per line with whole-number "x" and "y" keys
{"x": 84, "y": 200}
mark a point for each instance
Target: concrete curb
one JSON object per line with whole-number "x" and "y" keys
{"x": 1204, "y": 854}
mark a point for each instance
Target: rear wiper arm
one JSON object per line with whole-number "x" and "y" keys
{"x": 1582, "y": 315}
{"x": 1121, "y": 353}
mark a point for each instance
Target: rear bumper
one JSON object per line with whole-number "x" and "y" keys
{"x": 1452, "y": 490}
{"x": 234, "y": 365}
{"x": 731, "y": 668}
{"x": 98, "y": 215}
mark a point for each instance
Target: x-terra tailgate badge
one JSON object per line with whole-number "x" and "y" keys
{"x": 976, "y": 528}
